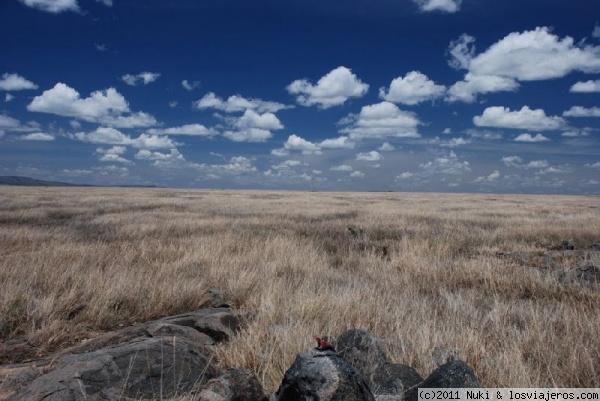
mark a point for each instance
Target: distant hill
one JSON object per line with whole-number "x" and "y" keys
{"x": 32, "y": 182}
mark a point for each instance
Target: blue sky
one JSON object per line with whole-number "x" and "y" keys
{"x": 389, "y": 95}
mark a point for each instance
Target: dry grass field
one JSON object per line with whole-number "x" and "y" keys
{"x": 425, "y": 272}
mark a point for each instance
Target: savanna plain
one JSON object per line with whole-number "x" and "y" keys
{"x": 479, "y": 275}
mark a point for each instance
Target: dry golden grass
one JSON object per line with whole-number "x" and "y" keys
{"x": 421, "y": 271}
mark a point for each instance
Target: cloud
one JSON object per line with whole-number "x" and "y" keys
{"x": 494, "y": 175}
{"x": 112, "y": 136}
{"x": 37, "y": 136}
{"x": 386, "y": 147}
{"x": 461, "y": 51}
{"x": 187, "y": 129}
{"x": 253, "y": 127}
{"x": 531, "y": 139}
{"x": 414, "y": 88}
{"x": 381, "y": 120}
{"x": 342, "y": 167}
{"x": 593, "y": 165}
{"x": 483, "y": 134}
{"x": 574, "y": 132}
{"x": 52, "y": 6}
{"x": 586, "y": 87}
{"x": 542, "y": 166}
{"x": 237, "y": 103}
{"x": 8, "y": 123}
{"x": 449, "y": 6}
{"x": 446, "y": 164}
{"x": 341, "y": 142}
{"x": 516, "y": 161}
{"x": 251, "y": 119}
{"x": 105, "y": 107}
{"x": 249, "y": 135}
{"x": 357, "y": 174}
{"x": 520, "y": 56}
{"x": 15, "y": 82}
{"x": 190, "y": 85}
{"x": 101, "y": 47}
{"x": 113, "y": 155}
{"x": 107, "y": 3}
{"x": 294, "y": 142}
{"x": 468, "y": 89}
{"x": 372, "y": 156}
{"x": 142, "y": 77}
{"x": 526, "y": 118}
{"x": 536, "y": 55}
{"x": 8, "y": 97}
{"x": 135, "y": 120}
{"x": 333, "y": 89}
{"x": 450, "y": 143}
{"x": 297, "y": 143}
{"x": 579, "y": 111}
{"x": 596, "y": 32}
{"x": 404, "y": 175}
{"x": 170, "y": 160}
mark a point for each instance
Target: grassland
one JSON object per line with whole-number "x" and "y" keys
{"x": 425, "y": 272}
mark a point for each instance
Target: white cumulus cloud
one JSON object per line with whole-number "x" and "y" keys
{"x": 586, "y": 86}
{"x": 15, "y": 82}
{"x": 381, "y": 120}
{"x": 536, "y": 55}
{"x": 520, "y": 56}
{"x": 190, "y": 85}
{"x": 237, "y": 103}
{"x": 372, "y": 156}
{"x": 526, "y": 118}
{"x": 331, "y": 90}
{"x": 529, "y": 138}
{"x": 468, "y": 89}
{"x": 105, "y": 107}
{"x": 142, "y": 77}
{"x": 386, "y": 147}
{"x": 449, "y": 6}
{"x": 414, "y": 88}
{"x": 112, "y": 136}
{"x": 37, "y": 136}
{"x": 52, "y": 6}
{"x": 579, "y": 111}
{"x": 187, "y": 129}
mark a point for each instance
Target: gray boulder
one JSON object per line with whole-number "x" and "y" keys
{"x": 142, "y": 368}
{"x": 365, "y": 355}
{"x": 156, "y": 360}
{"x": 234, "y": 385}
{"x": 323, "y": 376}
{"x": 453, "y": 374}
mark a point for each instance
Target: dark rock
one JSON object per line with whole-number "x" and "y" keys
{"x": 453, "y": 374}
{"x": 142, "y": 368}
{"x": 218, "y": 323}
{"x": 394, "y": 379}
{"x": 234, "y": 385}
{"x": 362, "y": 351}
{"x": 323, "y": 376}
{"x": 152, "y": 360}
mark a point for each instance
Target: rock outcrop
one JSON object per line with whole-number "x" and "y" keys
{"x": 158, "y": 359}
{"x": 365, "y": 355}
{"x": 322, "y": 375}
{"x": 234, "y": 385}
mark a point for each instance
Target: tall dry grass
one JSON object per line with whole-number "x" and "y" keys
{"x": 421, "y": 271}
